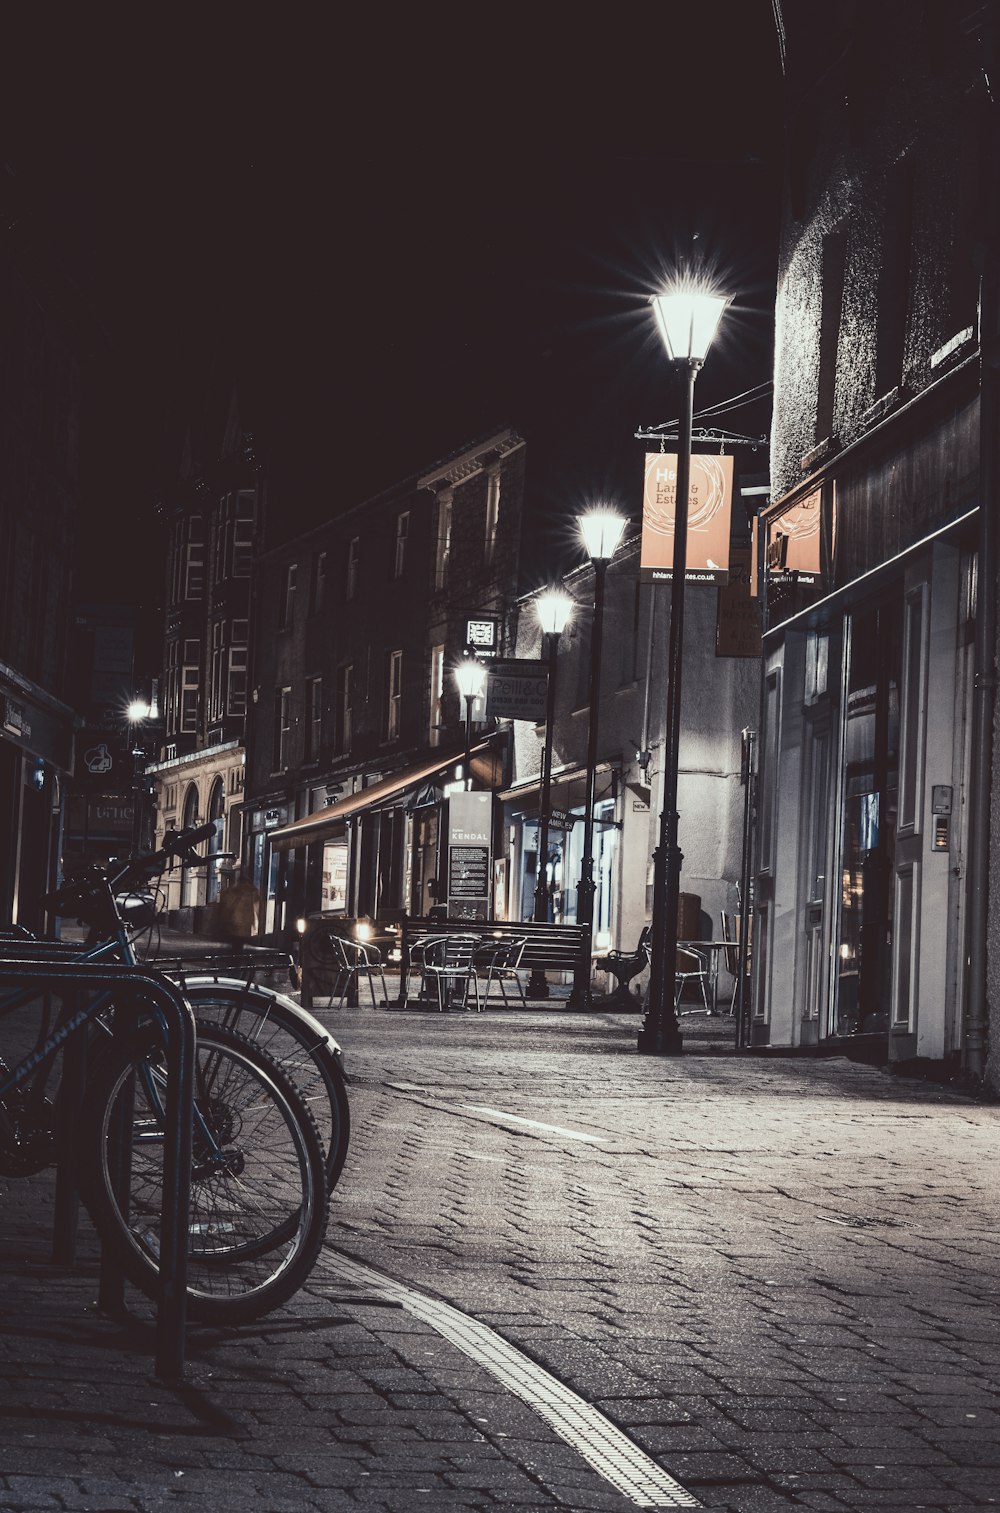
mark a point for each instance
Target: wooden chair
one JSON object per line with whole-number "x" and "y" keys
{"x": 503, "y": 967}
{"x": 449, "y": 960}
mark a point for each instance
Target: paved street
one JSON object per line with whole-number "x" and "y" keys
{"x": 778, "y": 1277}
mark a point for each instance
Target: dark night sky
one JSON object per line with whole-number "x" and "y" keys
{"x": 400, "y": 231}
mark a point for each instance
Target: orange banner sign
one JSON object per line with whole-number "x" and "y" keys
{"x": 793, "y": 540}
{"x": 710, "y": 498}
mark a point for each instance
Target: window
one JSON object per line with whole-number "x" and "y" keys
{"x": 172, "y": 689}
{"x": 237, "y": 693}
{"x": 492, "y": 516}
{"x": 443, "y": 541}
{"x": 345, "y": 697}
{"x": 318, "y": 584}
{"x": 218, "y": 672}
{"x": 288, "y": 603}
{"x": 242, "y": 537}
{"x": 394, "y": 688}
{"x": 176, "y": 560}
{"x": 222, "y": 527}
{"x": 402, "y": 531}
{"x": 353, "y": 564}
{"x": 190, "y": 680}
{"x": 194, "y": 560}
{"x": 437, "y": 693}
{"x": 282, "y": 727}
{"x": 314, "y": 718}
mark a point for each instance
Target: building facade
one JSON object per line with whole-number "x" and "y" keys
{"x": 869, "y": 925}
{"x": 39, "y": 501}
{"x": 355, "y": 722}
{"x": 212, "y": 520}
{"x": 720, "y": 695}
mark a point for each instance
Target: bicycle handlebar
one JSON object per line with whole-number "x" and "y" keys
{"x": 72, "y": 896}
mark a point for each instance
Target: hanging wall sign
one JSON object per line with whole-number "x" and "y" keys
{"x": 710, "y": 498}
{"x": 793, "y": 540}
{"x": 517, "y": 691}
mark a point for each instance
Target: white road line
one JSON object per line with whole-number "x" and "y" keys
{"x": 550, "y": 1129}
{"x": 611, "y": 1453}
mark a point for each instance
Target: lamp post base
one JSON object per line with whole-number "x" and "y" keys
{"x": 538, "y": 984}
{"x": 660, "y": 1042}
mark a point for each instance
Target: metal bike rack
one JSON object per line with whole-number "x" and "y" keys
{"x": 49, "y": 968}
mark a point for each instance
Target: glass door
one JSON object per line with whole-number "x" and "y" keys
{"x": 870, "y": 795}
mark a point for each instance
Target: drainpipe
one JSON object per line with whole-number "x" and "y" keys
{"x": 984, "y": 686}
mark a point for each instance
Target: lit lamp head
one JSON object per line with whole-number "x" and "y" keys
{"x": 602, "y": 530}
{"x": 470, "y": 676}
{"x": 688, "y": 318}
{"x": 137, "y": 711}
{"x": 554, "y": 607}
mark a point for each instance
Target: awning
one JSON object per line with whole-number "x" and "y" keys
{"x": 327, "y": 823}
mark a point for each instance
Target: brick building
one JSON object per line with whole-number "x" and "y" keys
{"x": 40, "y": 346}
{"x": 880, "y": 572}
{"x": 211, "y": 519}
{"x": 355, "y": 723}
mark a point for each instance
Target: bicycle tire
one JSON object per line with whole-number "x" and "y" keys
{"x": 289, "y": 1034}
{"x": 257, "y": 1218}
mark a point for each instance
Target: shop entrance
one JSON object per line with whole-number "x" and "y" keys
{"x": 869, "y": 814}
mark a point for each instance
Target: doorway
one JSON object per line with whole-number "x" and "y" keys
{"x": 869, "y": 816}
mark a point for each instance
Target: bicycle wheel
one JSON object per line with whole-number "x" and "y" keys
{"x": 259, "y": 1198}
{"x": 299, "y": 1044}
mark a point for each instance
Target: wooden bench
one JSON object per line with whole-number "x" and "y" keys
{"x": 548, "y": 948}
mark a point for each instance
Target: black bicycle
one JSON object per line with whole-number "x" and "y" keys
{"x": 118, "y": 907}
{"x": 259, "y": 1194}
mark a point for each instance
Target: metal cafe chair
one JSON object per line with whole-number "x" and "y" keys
{"x": 503, "y": 967}
{"x": 692, "y": 965}
{"x": 730, "y": 936}
{"x": 350, "y": 960}
{"x": 448, "y": 961}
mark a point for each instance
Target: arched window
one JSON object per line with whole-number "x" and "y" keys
{"x": 216, "y": 841}
{"x": 188, "y": 877}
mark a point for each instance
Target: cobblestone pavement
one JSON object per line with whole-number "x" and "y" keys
{"x": 779, "y": 1277}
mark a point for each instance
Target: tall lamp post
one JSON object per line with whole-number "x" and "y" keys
{"x": 602, "y": 531}
{"x": 470, "y": 676}
{"x": 553, "y": 608}
{"x": 137, "y": 712}
{"x": 687, "y": 318}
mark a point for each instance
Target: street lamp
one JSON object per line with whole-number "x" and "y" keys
{"x": 602, "y": 531}
{"x": 553, "y": 609}
{"x": 688, "y": 317}
{"x": 470, "y": 676}
{"x": 136, "y": 712}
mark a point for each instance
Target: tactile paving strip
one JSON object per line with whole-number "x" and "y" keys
{"x": 611, "y": 1453}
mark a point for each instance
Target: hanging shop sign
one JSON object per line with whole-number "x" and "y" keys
{"x": 482, "y": 635}
{"x": 560, "y": 819}
{"x": 470, "y": 829}
{"x": 517, "y": 691}
{"x": 738, "y": 625}
{"x": 793, "y": 540}
{"x": 710, "y": 499}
